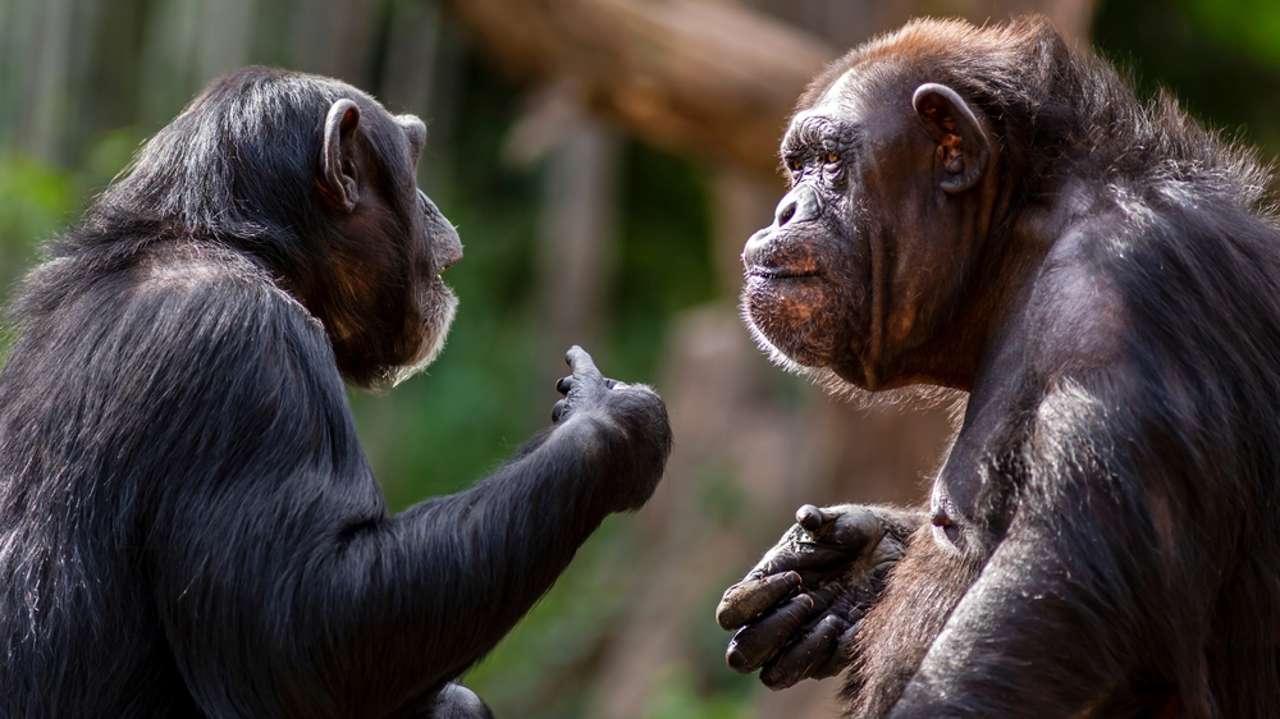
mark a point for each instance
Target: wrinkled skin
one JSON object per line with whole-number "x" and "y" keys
{"x": 840, "y": 289}
{"x": 992, "y": 211}
{"x": 837, "y": 285}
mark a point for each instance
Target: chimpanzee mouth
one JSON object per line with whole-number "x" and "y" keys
{"x": 439, "y": 304}
{"x": 781, "y": 273}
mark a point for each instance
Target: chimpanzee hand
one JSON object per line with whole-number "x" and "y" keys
{"x": 632, "y": 423}
{"x": 798, "y": 610}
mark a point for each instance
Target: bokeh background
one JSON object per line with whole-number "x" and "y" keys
{"x": 605, "y": 160}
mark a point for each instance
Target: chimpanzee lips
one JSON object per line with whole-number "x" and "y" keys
{"x": 781, "y": 273}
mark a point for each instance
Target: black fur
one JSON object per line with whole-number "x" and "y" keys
{"x": 1105, "y": 284}
{"x": 1137, "y": 569}
{"x": 188, "y": 525}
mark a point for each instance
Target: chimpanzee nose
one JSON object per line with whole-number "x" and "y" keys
{"x": 799, "y": 205}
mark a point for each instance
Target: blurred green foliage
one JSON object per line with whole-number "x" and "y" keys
{"x": 35, "y": 200}
{"x": 1221, "y": 59}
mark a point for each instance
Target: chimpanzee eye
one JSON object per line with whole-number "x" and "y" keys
{"x": 795, "y": 164}
{"x": 832, "y": 158}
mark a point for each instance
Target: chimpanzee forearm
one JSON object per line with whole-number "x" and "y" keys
{"x": 476, "y": 561}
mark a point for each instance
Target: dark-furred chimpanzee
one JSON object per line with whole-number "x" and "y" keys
{"x": 188, "y": 526}
{"x": 990, "y": 210}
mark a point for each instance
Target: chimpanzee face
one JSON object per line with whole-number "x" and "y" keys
{"x": 437, "y": 247}
{"x": 867, "y": 249}
{"x": 399, "y": 244}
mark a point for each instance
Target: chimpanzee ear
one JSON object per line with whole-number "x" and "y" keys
{"x": 962, "y": 145}
{"x": 340, "y": 180}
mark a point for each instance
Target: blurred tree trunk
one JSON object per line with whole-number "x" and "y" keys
{"x": 335, "y": 39}
{"x": 44, "y": 32}
{"x": 718, "y": 79}
{"x": 225, "y": 31}
{"x": 578, "y": 227}
{"x": 693, "y": 76}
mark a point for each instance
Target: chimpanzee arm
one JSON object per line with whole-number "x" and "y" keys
{"x": 280, "y": 578}
{"x": 1082, "y": 577}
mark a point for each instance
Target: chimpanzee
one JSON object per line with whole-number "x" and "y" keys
{"x": 989, "y": 210}
{"x": 188, "y": 526}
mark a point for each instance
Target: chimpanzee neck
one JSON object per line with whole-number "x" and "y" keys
{"x": 1002, "y": 279}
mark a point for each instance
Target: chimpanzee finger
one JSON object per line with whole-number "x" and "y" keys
{"x": 565, "y": 384}
{"x": 580, "y": 362}
{"x": 754, "y": 644}
{"x": 801, "y": 556}
{"x": 810, "y": 517}
{"x": 558, "y": 411}
{"x": 802, "y": 659}
{"x": 752, "y": 597}
{"x": 852, "y": 529}
{"x": 839, "y": 658}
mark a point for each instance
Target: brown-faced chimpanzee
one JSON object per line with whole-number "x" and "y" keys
{"x": 992, "y": 211}
{"x": 188, "y": 526}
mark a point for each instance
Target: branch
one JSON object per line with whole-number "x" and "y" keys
{"x": 713, "y": 79}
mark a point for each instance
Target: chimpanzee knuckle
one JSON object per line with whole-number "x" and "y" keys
{"x": 642, "y": 414}
{"x": 637, "y": 398}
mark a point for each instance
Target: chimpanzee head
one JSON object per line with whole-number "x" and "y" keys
{"x": 317, "y": 181}
{"x": 895, "y": 174}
